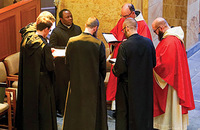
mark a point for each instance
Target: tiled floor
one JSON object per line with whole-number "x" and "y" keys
{"x": 194, "y": 115}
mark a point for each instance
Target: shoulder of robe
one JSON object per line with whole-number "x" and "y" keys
{"x": 33, "y": 38}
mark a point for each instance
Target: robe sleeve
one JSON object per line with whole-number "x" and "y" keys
{"x": 53, "y": 39}
{"x": 49, "y": 63}
{"x": 120, "y": 66}
{"x": 67, "y": 62}
{"x": 159, "y": 80}
{"x": 102, "y": 57}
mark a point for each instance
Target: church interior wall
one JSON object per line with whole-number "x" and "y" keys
{"x": 184, "y": 13}
{"x": 154, "y": 10}
{"x": 175, "y": 12}
{"x": 108, "y": 13}
{"x": 192, "y": 23}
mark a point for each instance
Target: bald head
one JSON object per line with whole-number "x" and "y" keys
{"x": 92, "y": 22}
{"x": 160, "y": 22}
{"x": 131, "y": 23}
{"x": 130, "y": 26}
{"x": 91, "y": 26}
{"x": 128, "y": 10}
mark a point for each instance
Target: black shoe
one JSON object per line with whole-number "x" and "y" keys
{"x": 114, "y": 114}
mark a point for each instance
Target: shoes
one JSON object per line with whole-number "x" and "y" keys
{"x": 111, "y": 114}
{"x": 114, "y": 114}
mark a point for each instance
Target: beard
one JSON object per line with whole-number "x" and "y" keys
{"x": 125, "y": 33}
{"x": 160, "y": 35}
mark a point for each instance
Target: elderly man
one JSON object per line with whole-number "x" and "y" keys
{"x": 86, "y": 63}
{"x": 58, "y": 39}
{"x": 173, "y": 95}
{"x": 127, "y": 11}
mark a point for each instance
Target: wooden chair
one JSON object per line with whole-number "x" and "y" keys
{"x": 5, "y": 108}
{"x": 12, "y": 67}
{"x": 11, "y": 91}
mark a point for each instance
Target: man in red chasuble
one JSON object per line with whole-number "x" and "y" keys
{"x": 173, "y": 95}
{"x": 128, "y": 10}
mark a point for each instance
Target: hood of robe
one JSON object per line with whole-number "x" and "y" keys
{"x": 175, "y": 31}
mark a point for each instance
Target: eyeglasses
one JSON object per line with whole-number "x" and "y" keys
{"x": 156, "y": 29}
{"x": 126, "y": 16}
{"x": 123, "y": 29}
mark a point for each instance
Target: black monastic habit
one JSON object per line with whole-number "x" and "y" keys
{"x": 86, "y": 100}
{"x": 134, "y": 97}
{"x": 35, "y": 102}
{"x": 58, "y": 39}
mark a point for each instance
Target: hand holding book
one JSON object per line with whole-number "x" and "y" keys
{"x": 110, "y": 38}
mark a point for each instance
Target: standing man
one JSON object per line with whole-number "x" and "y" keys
{"x": 134, "y": 69}
{"x": 127, "y": 11}
{"x": 173, "y": 95}
{"x": 35, "y": 103}
{"x": 59, "y": 38}
{"x": 86, "y": 99}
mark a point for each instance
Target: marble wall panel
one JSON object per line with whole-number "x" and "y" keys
{"x": 155, "y": 10}
{"x": 192, "y": 23}
{"x": 153, "y": 2}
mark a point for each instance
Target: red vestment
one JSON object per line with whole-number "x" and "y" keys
{"x": 172, "y": 67}
{"x": 117, "y": 32}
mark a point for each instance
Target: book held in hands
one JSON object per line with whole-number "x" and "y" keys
{"x": 58, "y": 52}
{"x": 110, "y": 38}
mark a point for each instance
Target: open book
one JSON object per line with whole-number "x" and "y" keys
{"x": 110, "y": 38}
{"x": 58, "y": 52}
{"x": 112, "y": 60}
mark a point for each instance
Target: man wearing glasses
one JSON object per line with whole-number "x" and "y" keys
{"x": 127, "y": 11}
{"x": 134, "y": 69}
{"x": 173, "y": 96}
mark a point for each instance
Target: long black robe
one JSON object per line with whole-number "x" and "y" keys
{"x": 35, "y": 103}
{"x": 134, "y": 97}
{"x": 59, "y": 39}
{"x": 86, "y": 99}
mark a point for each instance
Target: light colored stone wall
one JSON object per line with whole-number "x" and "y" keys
{"x": 175, "y": 12}
{"x": 192, "y": 23}
{"x": 154, "y": 11}
{"x": 107, "y": 11}
{"x": 184, "y": 13}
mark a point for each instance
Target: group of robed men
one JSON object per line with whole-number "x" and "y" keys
{"x": 146, "y": 98}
